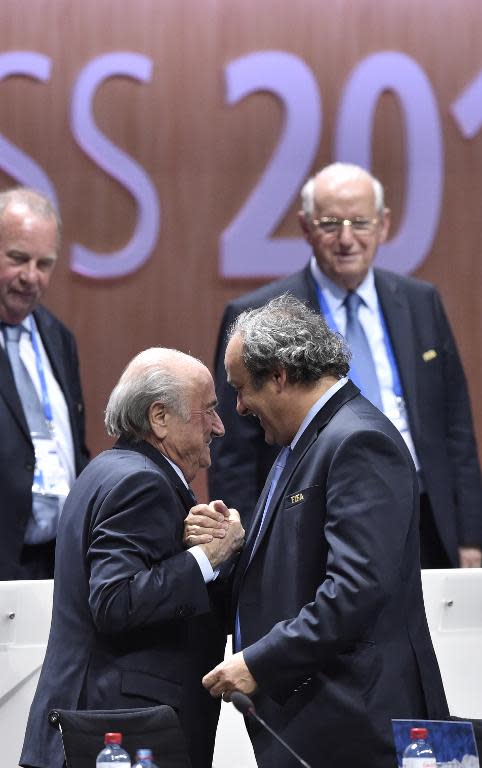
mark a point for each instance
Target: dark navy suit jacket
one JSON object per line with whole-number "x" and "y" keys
{"x": 128, "y": 605}
{"x": 436, "y": 397}
{"x": 330, "y": 598}
{"x": 17, "y": 456}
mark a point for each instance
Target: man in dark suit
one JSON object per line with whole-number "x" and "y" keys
{"x": 29, "y": 245}
{"x": 419, "y": 376}
{"x": 129, "y": 600}
{"x": 330, "y": 630}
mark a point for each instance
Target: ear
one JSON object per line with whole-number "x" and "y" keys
{"x": 158, "y": 419}
{"x": 303, "y": 221}
{"x": 280, "y": 379}
{"x": 385, "y": 225}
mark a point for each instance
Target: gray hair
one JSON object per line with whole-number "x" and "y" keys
{"x": 148, "y": 378}
{"x": 287, "y": 334}
{"x": 34, "y": 201}
{"x": 342, "y": 171}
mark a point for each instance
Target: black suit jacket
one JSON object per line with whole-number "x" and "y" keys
{"x": 128, "y": 603}
{"x": 436, "y": 398}
{"x": 17, "y": 458}
{"x": 330, "y": 597}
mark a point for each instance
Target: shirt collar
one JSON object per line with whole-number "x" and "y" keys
{"x": 27, "y": 324}
{"x": 177, "y": 470}
{"x": 335, "y": 294}
{"x": 316, "y": 407}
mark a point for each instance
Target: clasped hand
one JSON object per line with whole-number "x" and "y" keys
{"x": 216, "y": 528}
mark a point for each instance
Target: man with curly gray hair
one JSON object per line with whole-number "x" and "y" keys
{"x": 329, "y": 627}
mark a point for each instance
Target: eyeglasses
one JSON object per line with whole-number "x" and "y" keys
{"x": 331, "y": 225}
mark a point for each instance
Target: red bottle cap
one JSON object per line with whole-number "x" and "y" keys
{"x": 418, "y": 733}
{"x": 113, "y": 738}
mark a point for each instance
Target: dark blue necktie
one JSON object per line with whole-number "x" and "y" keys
{"x": 279, "y": 465}
{"x": 364, "y": 372}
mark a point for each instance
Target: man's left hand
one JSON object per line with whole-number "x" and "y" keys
{"x": 470, "y": 557}
{"x": 231, "y": 675}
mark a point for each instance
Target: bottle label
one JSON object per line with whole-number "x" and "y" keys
{"x": 419, "y": 762}
{"x": 126, "y": 764}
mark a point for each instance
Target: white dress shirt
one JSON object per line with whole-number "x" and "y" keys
{"x": 197, "y": 552}
{"x": 369, "y": 316}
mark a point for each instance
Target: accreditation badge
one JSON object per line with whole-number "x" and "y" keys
{"x": 50, "y": 477}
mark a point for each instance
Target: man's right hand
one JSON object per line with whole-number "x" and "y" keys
{"x": 220, "y": 549}
{"x": 205, "y": 522}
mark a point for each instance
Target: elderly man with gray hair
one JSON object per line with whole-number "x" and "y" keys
{"x": 405, "y": 361}
{"x": 131, "y": 624}
{"x": 42, "y": 424}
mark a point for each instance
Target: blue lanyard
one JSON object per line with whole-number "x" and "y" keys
{"x": 47, "y": 408}
{"x": 325, "y": 310}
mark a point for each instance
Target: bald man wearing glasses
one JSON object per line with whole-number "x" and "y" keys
{"x": 405, "y": 361}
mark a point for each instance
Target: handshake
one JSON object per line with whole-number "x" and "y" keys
{"x": 216, "y": 529}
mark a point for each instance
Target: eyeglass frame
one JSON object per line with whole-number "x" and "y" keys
{"x": 339, "y": 223}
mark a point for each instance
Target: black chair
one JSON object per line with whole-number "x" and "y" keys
{"x": 156, "y": 728}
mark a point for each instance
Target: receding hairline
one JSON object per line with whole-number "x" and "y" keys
{"x": 173, "y": 361}
{"x": 338, "y": 173}
{"x": 34, "y": 202}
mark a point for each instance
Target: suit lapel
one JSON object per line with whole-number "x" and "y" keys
{"x": 397, "y": 315}
{"x": 53, "y": 346}
{"x": 186, "y": 495}
{"x": 256, "y": 522}
{"x": 308, "y": 293}
{"x": 52, "y": 342}
{"x": 309, "y": 436}
{"x": 8, "y": 391}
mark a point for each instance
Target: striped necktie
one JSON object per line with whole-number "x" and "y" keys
{"x": 32, "y": 407}
{"x": 42, "y": 525}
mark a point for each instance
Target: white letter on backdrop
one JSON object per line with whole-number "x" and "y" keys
{"x": 118, "y": 164}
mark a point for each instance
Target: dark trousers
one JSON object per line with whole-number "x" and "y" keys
{"x": 432, "y": 551}
{"x": 37, "y": 560}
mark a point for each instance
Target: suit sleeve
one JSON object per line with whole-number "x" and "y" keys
{"x": 370, "y": 502}
{"x": 139, "y": 574}
{"x": 461, "y": 445}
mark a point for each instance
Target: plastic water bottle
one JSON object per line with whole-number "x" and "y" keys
{"x": 144, "y": 759}
{"x": 419, "y": 753}
{"x": 113, "y": 753}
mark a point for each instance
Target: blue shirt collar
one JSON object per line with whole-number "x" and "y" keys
{"x": 335, "y": 294}
{"x": 316, "y": 407}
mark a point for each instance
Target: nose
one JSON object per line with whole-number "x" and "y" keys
{"x": 29, "y": 272}
{"x": 240, "y": 406}
{"x": 346, "y": 233}
{"x": 218, "y": 426}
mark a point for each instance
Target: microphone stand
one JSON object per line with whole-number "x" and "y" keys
{"x": 244, "y": 705}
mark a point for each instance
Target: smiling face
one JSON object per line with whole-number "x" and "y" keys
{"x": 346, "y": 256}
{"x": 28, "y": 253}
{"x": 266, "y": 402}
{"x": 186, "y": 443}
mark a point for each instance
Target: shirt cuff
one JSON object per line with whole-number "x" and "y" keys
{"x": 204, "y": 564}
